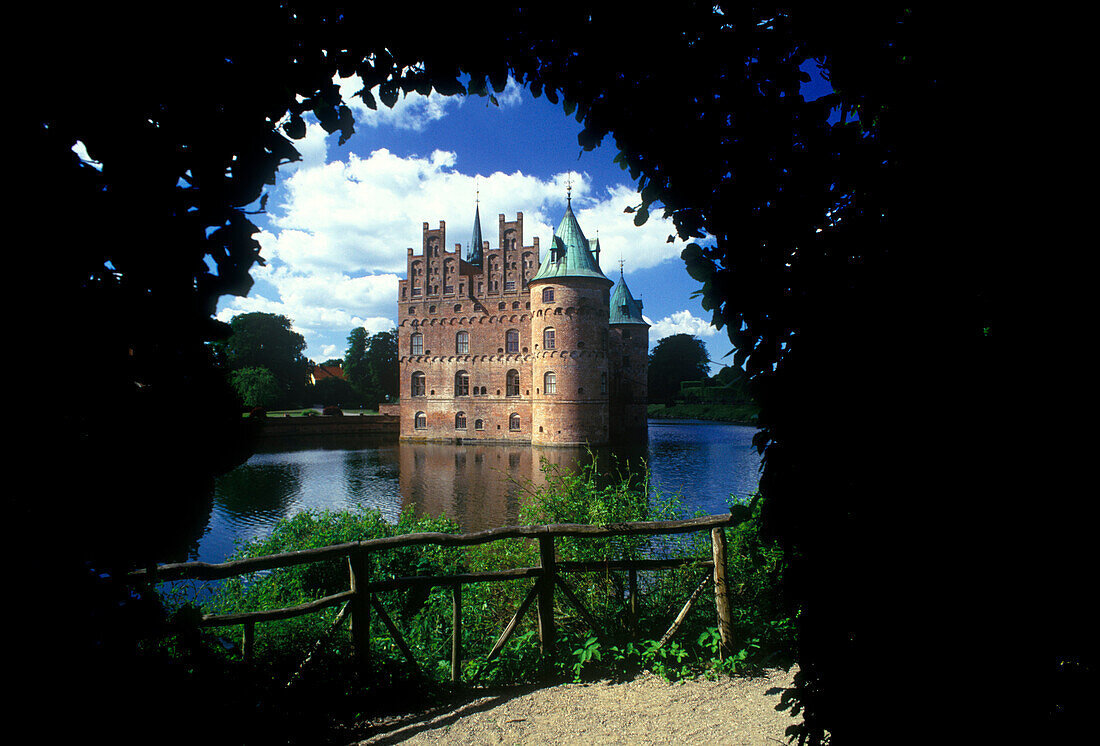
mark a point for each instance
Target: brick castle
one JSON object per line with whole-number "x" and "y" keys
{"x": 501, "y": 346}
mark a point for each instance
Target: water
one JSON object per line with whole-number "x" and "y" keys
{"x": 476, "y": 486}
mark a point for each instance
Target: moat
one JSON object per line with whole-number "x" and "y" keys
{"x": 477, "y": 486}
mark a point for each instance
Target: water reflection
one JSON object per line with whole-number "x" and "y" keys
{"x": 477, "y": 486}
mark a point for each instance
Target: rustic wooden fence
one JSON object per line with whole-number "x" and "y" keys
{"x": 360, "y": 599}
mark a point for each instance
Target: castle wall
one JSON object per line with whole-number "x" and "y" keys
{"x": 472, "y": 349}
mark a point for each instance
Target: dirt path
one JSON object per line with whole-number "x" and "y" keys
{"x": 648, "y": 710}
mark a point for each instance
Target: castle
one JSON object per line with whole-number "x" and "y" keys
{"x": 501, "y": 346}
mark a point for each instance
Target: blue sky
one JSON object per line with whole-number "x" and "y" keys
{"x": 338, "y": 222}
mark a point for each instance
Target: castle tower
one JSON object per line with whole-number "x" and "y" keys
{"x": 569, "y": 336}
{"x": 628, "y": 354}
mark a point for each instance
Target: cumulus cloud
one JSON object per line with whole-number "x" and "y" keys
{"x": 680, "y": 322}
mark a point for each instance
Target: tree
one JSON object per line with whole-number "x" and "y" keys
{"x": 257, "y": 387}
{"x": 675, "y": 359}
{"x": 371, "y": 365}
{"x": 264, "y": 340}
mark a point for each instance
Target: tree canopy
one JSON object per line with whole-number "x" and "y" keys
{"x": 833, "y": 255}
{"x": 266, "y": 340}
{"x": 673, "y": 360}
{"x": 371, "y": 364}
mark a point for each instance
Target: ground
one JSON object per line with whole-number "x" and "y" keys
{"x": 738, "y": 711}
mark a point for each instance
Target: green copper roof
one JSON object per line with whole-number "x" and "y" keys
{"x": 624, "y": 309}
{"x": 473, "y": 253}
{"x": 570, "y": 253}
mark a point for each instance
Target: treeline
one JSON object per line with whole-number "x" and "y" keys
{"x": 681, "y": 387}
{"x": 263, "y": 359}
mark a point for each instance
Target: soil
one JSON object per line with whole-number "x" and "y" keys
{"x": 739, "y": 711}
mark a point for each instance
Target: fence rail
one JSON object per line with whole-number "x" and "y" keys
{"x": 360, "y": 600}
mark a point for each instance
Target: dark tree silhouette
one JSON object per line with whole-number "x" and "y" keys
{"x": 675, "y": 359}
{"x": 838, "y": 262}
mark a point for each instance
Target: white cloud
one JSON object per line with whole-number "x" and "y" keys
{"x": 338, "y": 230}
{"x": 680, "y": 322}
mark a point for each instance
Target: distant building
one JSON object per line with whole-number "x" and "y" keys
{"x": 321, "y": 372}
{"x": 503, "y": 346}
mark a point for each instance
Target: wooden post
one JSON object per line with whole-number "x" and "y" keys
{"x": 721, "y": 590}
{"x": 547, "y": 633}
{"x": 248, "y": 639}
{"x": 456, "y": 636}
{"x": 358, "y": 565}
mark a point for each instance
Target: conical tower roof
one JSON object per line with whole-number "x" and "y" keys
{"x": 624, "y": 309}
{"x": 473, "y": 253}
{"x": 570, "y": 253}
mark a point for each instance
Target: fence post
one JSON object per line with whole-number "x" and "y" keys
{"x": 547, "y": 633}
{"x": 456, "y": 636}
{"x": 721, "y": 589}
{"x": 358, "y": 565}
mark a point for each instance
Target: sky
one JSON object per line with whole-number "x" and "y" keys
{"x": 339, "y": 221}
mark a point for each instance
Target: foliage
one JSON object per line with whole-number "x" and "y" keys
{"x": 333, "y": 391}
{"x": 674, "y": 359}
{"x": 265, "y": 340}
{"x": 257, "y": 387}
{"x": 371, "y": 365}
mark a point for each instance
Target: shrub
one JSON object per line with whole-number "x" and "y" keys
{"x": 332, "y": 411}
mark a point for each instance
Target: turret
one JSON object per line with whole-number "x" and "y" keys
{"x": 569, "y": 334}
{"x": 628, "y": 353}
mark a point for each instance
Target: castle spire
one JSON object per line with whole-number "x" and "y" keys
{"x": 473, "y": 253}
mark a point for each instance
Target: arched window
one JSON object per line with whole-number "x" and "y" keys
{"x": 420, "y": 421}
{"x": 511, "y": 341}
{"x": 548, "y": 338}
{"x": 550, "y": 382}
{"x": 548, "y": 295}
{"x": 418, "y": 384}
{"x": 513, "y": 422}
{"x": 479, "y": 424}
{"x": 416, "y": 344}
{"x": 512, "y": 388}
{"x": 462, "y": 383}
{"x": 462, "y": 343}
{"x": 460, "y": 421}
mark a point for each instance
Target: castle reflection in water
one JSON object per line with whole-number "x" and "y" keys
{"x": 482, "y": 487}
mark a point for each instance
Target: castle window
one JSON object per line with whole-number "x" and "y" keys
{"x": 462, "y": 383}
{"x": 458, "y": 307}
{"x": 479, "y": 424}
{"x": 501, "y": 306}
{"x": 512, "y": 387}
{"x": 515, "y": 305}
{"x": 548, "y": 338}
{"x": 419, "y": 384}
{"x": 420, "y": 422}
{"x": 603, "y": 383}
{"x": 511, "y": 341}
{"x": 550, "y": 382}
{"x": 548, "y": 295}
{"x": 431, "y": 309}
{"x": 462, "y": 343}
{"x": 416, "y": 344}
{"x": 460, "y": 421}
{"x": 509, "y": 284}
{"x": 513, "y": 422}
